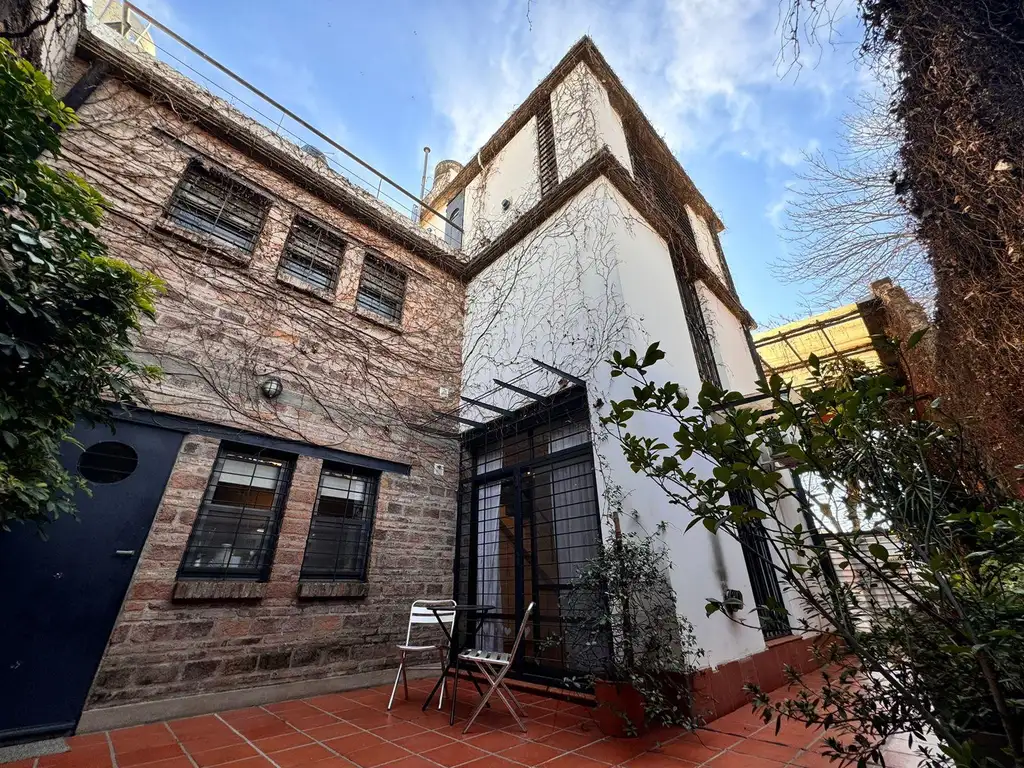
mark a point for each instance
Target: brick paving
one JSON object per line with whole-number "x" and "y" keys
{"x": 355, "y": 729}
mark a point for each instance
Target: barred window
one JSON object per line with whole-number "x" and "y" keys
{"x": 382, "y": 288}
{"x": 233, "y": 535}
{"x": 212, "y": 204}
{"x": 707, "y": 367}
{"x": 338, "y": 544}
{"x": 313, "y": 255}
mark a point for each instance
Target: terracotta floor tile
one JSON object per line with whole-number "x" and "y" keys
{"x": 195, "y": 725}
{"x": 238, "y": 715}
{"x": 93, "y": 756}
{"x": 532, "y": 753}
{"x": 574, "y": 761}
{"x": 379, "y": 754}
{"x": 213, "y": 740}
{"x": 737, "y": 760}
{"x": 346, "y": 745}
{"x": 263, "y": 729}
{"x": 689, "y": 748}
{"x": 494, "y": 741}
{"x": 142, "y": 755}
{"x": 26, "y": 763}
{"x": 253, "y": 762}
{"x": 413, "y": 761}
{"x": 85, "y": 740}
{"x": 781, "y": 752}
{"x": 425, "y": 741}
{"x": 306, "y": 755}
{"x": 223, "y": 755}
{"x": 398, "y": 730}
{"x": 612, "y": 751}
{"x": 132, "y": 738}
{"x": 454, "y": 754}
{"x": 491, "y": 761}
{"x": 333, "y": 731}
{"x": 368, "y": 718}
{"x": 174, "y": 762}
{"x": 572, "y": 739}
{"x": 280, "y": 743}
{"x": 658, "y": 760}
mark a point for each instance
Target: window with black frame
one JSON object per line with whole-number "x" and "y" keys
{"x": 312, "y": 255}
{"x": 211, "y": 203}
{"x": 381, "y": 288}
{"x": 338, "y": 545}
{"x": 234, "y": 533}
{"x": 757, "y": 553}
{"x": 703, "y": 350}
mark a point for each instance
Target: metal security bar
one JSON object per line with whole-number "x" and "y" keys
{"x": 381, "y": 288}
{"x": 528, "y": 522}
{"x": 338, "y": 545}
{"x": 234, "y": 533}
{"x": 313, "y": 255}
{"x": 699, "y": 336}
{"x": 757, "y": 553}
{"x": 212, "y": 204}
{"x": 546, "y": 149}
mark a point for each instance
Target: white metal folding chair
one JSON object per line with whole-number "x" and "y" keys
{"x": 495, "y": 665}
{"x": 421, "y": 613}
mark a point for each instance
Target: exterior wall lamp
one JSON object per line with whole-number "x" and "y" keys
{"x": 271, "y": 387}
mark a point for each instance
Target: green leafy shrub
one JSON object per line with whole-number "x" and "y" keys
{"x": 67, "y": 310}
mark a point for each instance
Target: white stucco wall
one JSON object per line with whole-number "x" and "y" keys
{"x": 732, "y": 353}
{"x": 705, "y": 242}
{"x": 584, "y": 121}
{"x": 592, "y": 279}
{"x": 512, "y": 175}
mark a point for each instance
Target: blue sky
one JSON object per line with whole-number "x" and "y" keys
{"x": 387, "y": 78}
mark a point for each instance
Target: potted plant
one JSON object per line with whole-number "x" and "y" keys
{"x": 639, "y": 654}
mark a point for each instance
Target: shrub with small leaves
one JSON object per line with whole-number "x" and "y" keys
{"x": 67, "y": 310}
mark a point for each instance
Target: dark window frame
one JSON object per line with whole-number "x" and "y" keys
{"x": 370, "y": 296}
{"x": 242, "y": 235}
{"x": 322, "y": 523}
{"x": 764, "y": 581}
{"x": 700, "y": 337}
{"x": 207, "y": 508}
{"x": 547, "y": 160}
{"x": 297, "y": 261}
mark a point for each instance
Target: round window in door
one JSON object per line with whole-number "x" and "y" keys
{"x": 108, "y": 462}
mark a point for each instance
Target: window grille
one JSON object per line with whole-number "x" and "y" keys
{"x": 212, "y": 204}
{"x": 757, "y": 552}
{"x": 338, "y": 544}
{"x": 381, "y": 288}
{"x": 313, "y": 255}
{"x": 707, "y": 367}
{"x": 546, "y": 149}
{"x": 234, "y": 533}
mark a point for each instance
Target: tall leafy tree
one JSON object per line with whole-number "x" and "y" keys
{"x": 68, "y": 311}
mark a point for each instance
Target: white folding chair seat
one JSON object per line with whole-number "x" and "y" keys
{"x": 420, "y": 614}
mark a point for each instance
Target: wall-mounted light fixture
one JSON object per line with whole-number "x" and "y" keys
{"x": 271, "y": 387}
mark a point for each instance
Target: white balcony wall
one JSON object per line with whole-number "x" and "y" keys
{"x": 584, "y": 122}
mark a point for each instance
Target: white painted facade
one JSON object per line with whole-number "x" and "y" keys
{"x": 592, "y": 278}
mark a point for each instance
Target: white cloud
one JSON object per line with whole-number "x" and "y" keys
{"x": 706, "y": 71}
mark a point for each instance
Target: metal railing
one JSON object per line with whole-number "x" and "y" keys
{"x": 277, "y": 118}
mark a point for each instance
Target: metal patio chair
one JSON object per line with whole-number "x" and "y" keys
{"x": 495, "y": 665}
{"x": 420, "y": 613}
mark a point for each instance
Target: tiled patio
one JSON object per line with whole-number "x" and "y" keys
{"x": 355, "y": 728}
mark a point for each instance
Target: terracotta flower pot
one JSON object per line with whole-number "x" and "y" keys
{"x": 620, "y": 709}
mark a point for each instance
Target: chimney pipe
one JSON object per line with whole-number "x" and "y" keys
{"x": 423, "y": 182}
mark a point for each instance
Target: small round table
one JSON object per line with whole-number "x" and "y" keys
{"x": 453, "y": 647}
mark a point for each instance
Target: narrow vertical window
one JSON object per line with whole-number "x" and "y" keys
{"x": 707, "y": 367}
{"x": 456, "y": 215}
{"x": 234, "y": 533}
{"x": 338, "y": 545}
{"x": 546, "y": 149}
{"x": 757, "y": 553}
{"x": 313, "y": 255}
{"x": 381, "y": 288}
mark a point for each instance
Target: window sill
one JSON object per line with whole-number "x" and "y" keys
{"x": 188, "y": 590}
{"x": 296, "y": 283}
{"x": 380, "y": 320}
{"x": 205, "y": 243}
{"x": 333, "y": 590}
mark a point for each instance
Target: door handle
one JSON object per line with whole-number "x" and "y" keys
{"x": 124, "y": 552}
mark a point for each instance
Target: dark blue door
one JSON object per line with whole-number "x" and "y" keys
{"x": 60, "y": 597}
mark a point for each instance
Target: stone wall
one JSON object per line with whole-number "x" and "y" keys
{"x": 351, "y": 382}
